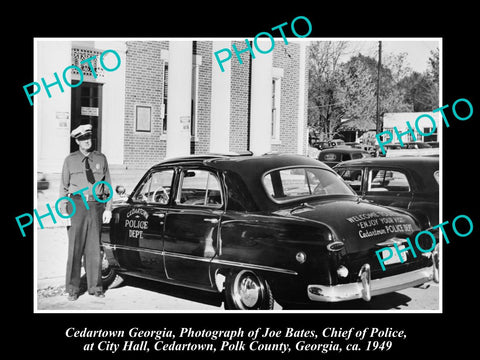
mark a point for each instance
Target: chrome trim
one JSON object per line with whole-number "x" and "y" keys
{"x": 436, "y": 264}
{"x": 185, "y": 256}
{"x": 331, "y": 246}
{"x": 366, "y": 279}
{"x": 211, "y": 220}
{"x": 366, "y": 288}
{"x": 204, "y": 259}
{"x": 392, "y": 241}
{"x": 253, "y": 266}
{"x": 170, "y": 281}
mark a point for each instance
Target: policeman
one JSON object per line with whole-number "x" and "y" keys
{"x": 81, "y": 169}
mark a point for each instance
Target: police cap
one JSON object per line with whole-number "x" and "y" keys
{"x": 83, "y": 132}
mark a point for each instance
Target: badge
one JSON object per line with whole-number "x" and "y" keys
{"x": 97, "y": 166}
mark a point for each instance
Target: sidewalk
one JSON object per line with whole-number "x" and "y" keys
{"x": 52, "y": 241}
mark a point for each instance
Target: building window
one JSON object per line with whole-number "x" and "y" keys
{"x": 384, "y": 137}
{"x": 276, "y": 99}
{"x": 82, "y": 54}
{"x": 433, "y": 137}
{"x": 193, "y": 114}
{"x": 197, "y": 61}
{"x": 165, "y": 97}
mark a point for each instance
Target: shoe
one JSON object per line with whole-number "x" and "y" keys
{"x": 99, "y": 294}
{"x": 72, "y": 297}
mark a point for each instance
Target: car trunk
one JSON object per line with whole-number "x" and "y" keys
{"x": 365, "y": 228}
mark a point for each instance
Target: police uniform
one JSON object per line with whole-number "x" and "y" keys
{"x": 86, "y": 223}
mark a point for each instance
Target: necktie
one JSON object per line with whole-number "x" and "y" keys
{"x": 88, "y": 171}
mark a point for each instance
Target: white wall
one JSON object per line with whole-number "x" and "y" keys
{"x": 220, "y": 102}
{"x": 179, "y": 98}
{"x": 53, "y": 140}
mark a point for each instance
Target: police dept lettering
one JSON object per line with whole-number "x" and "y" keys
{"x": 138, "y": 224}
{"x": 378, "y": 223}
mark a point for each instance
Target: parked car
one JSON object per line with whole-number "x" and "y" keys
{"x": 416, "y": 145}
{"x": 371, "y": 149}
{"x": 327, "y": 144}
{"x": 42, "y": 182}
{"x": 410, "y": 182}
{"x": 259, "y": 229}
{"x": 332, "y": 157}
{"x": 336, "y": 143}
{"x": 392, "y": 146}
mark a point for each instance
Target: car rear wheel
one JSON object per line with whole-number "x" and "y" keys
{"x": 110, "y": 278}
{"x": 244, "y": 290}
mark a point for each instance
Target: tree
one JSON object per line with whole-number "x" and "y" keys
{"x": 421, "y": 90}
{"x": 360, "y": 88}
{"x": 348, "y": 90}
{"x": 324, "y": 97}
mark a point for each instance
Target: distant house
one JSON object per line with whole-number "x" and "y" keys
{"x": 424, "y": 124}
{"x": 352, "y": 129}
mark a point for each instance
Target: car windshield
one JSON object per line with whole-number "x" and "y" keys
{"x": 293, "y": 183}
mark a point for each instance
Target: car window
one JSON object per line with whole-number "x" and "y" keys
{"x": 199, "y": 188}
{"x": 329, "y": 156}
{"x": 387, "y": 180}
{"x": 360, "y": 155}
{"x": 287, "y": 184}
{"x": 352, "y": 176}
{"x": 156, "y": 188}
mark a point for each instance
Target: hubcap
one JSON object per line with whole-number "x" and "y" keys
{"x": 247, "y": 291}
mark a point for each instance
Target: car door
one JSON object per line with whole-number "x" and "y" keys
{"x": 388, "y": 186}
{"x": 191, "y": 227}
{"x": 142, "y": 223}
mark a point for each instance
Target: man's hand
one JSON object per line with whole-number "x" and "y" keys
{"x": 107, "y": 215}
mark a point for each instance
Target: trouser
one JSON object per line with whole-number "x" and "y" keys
{"x": 84, "y": 240}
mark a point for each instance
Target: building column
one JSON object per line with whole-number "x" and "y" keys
{"x": 179, "y": 98}
{"x": 113, "y": 94}
{"x": 261, "y": 102}
{"x": 220, "y": 103}
{"x": 52, "y": 115}
{"x": 302, "y": 128}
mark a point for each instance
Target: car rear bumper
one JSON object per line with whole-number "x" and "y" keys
{"x": 365, "y": 288}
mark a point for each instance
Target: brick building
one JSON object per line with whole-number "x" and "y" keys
{"x": 169, "y": 98}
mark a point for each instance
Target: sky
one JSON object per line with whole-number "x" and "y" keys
{"x": 417, "y": 49}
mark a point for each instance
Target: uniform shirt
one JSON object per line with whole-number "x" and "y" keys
{"x": 74, "y": 177}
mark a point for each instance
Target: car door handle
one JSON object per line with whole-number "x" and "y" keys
{"x": 160, "y": 215}
{"x": 211, "y": 220}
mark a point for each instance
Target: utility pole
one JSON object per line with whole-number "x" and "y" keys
{"x": 378, "y": 125}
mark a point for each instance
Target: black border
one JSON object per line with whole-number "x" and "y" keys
{"x": 428, "y": 334}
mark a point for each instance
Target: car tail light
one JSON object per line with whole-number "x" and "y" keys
{"x": 301, "y": 257}
{"x": 342, "y": 271}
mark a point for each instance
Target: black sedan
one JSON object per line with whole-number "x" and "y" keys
{"x": 336, "y": 155}
{"x": 259, "y": 228}
{"x": 410, "y": 182}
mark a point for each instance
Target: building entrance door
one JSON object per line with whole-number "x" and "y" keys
{"x": 86, "y": 108}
